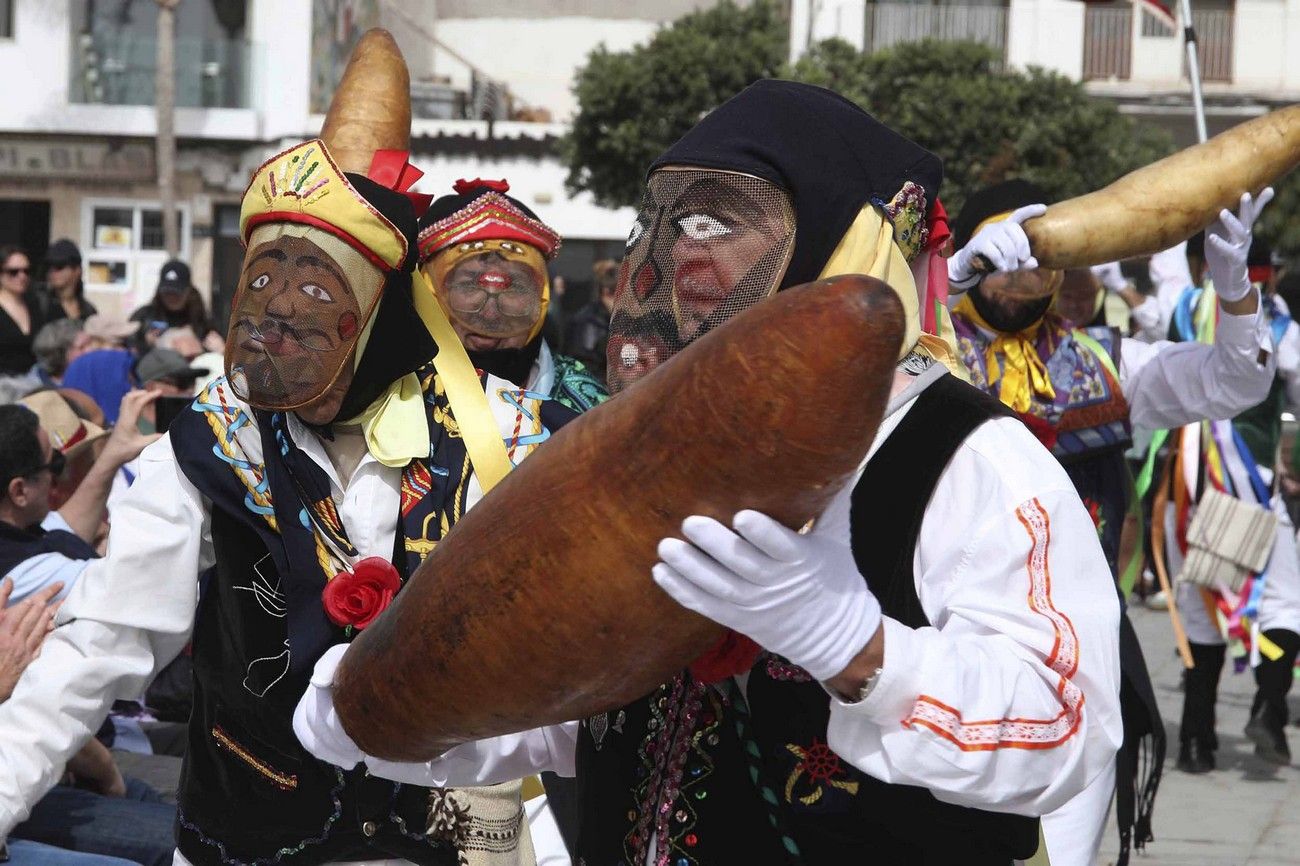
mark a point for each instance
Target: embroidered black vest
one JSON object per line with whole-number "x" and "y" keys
{"x": 250, "y": 794}
{"x": 715, "y": 777}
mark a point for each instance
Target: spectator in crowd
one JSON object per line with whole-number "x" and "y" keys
{"x": 588, "y": 331}
{"x": 100, "y": 365}
{"x": 553, "y": 327}
{"x": 70, "y": 434}
{"x": 163, "y": 373}
{"x": 177, "y": 304}
{"x": 63, "y": 294}
{"x": 104, "y": 331}
{"x": 98, "y": 812}
{"x": 52, "y": 346}
{"x": 40, "y": 546}
{"x": 168, "y": 373}
{"x": 14, "y": 387}
{"x": 20, "y": 312}
{"x": 183, "y": 341}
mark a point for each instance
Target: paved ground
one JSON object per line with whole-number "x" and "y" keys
{"x": 1246, "y": 813}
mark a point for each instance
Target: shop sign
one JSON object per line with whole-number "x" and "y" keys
{"x": 29, "y": 159}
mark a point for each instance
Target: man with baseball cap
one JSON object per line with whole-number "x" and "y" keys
{"x": 175, "y": 304}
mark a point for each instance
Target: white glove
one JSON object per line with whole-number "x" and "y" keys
{"x": 1227, "y": 243}
{"x": 797, "y": 595}
{"x": 1110, "y": 276}
{"x": 315, "y": 721}
{"x": 1004, "y": 244}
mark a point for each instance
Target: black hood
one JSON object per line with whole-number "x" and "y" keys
{"x": 399, "y": 342}
{"x": 826, "y": 153}
{"x": 991, "y": 201}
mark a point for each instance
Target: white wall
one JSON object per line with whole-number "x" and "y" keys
{"x": 35, "y": 64}
{"x": 1267, "y": 41}
{"x": 813, "y": 21}
{"x": 538, "y": 184}
{"x": 1046, "y": 33}
{"x": 537, "y": 58}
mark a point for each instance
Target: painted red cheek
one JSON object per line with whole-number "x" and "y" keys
{"x": 347, "y": 326}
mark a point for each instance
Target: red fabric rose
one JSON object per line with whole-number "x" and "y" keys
{"x": 354, "y": 598}
{"x": 733, "y": 654}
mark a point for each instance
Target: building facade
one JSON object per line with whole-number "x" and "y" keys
{"x": 1124, "y": 51}
{"x": 491, "y": 97}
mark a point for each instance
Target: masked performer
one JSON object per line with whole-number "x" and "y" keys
{"x": 1082, "y": 391}
{"x": 1258, "y": 616}
{"x": 939, "y": 662}
{"x": 485, "y": 253}
{"x": 315, "y": 478}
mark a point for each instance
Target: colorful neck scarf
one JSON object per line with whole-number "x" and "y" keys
{"x": 1014, "y": 359}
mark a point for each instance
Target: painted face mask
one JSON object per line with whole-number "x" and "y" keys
{"x": 495, "y": 292}
{"x": 705, "y": 246}
{"x": 318, "y": 256}
{"x": 303, "y": 301}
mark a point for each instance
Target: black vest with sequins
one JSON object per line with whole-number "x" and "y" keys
{"x": 712, "y": 776}
{"x": 250, "y": 795}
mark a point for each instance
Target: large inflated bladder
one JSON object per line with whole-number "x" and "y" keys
{"x": 538, "y": 607}
{"x": 1156, "y": 206}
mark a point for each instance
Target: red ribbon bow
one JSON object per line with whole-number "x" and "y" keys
{"x": 463, "y": 187}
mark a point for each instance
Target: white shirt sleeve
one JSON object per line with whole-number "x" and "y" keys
{"x": 1009, "y": 701}
{"x": 130, "y": 614}
{"x": 491, "y": 761}
{"x": 1171, "y": 384}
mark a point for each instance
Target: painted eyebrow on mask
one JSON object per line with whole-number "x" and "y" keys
{"x": 278, "y": 255}
{"x": 316, "y": 262}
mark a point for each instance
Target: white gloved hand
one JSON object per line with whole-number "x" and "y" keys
{"x": 315, "y": 721}
{"x": 1110, "y": 276}
{"x": 1004, "y": 244}
{"x": 1227, "y": 243}
{"x": 797, "y": 595}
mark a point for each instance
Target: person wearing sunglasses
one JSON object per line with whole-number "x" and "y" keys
{"x": 20, "y": 312}
{"x": 40, "y": 546}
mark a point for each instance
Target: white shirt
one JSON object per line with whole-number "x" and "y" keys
{"x": 1171, "y": 384}
{"x": 133, "y": 610}
{"x": 1009, "y": 702}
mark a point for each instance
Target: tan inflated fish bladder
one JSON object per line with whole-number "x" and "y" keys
{"x": 1168, "y": 201}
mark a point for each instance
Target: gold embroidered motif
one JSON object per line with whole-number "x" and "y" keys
{"x": 283, "y": 781}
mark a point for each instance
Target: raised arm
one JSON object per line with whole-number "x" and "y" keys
{"x": 128, "y": 615}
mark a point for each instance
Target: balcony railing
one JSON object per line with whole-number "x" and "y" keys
{"x": 892, "y": 23}
{"x": 1107, "y": 42}
{"x": 210, "y": 73}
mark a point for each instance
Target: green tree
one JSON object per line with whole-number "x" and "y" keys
{"x": 1280, "y": 222}
{"x": 988, "y": 123}
{"x": 633, "y": 104}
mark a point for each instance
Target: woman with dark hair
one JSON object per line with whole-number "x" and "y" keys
{"x": 64, "y": 293}
{"x": 176, "y": 304}
{"x": 20, "y": 313}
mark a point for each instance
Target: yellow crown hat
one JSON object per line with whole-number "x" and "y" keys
{"x": 369, "y": 115}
